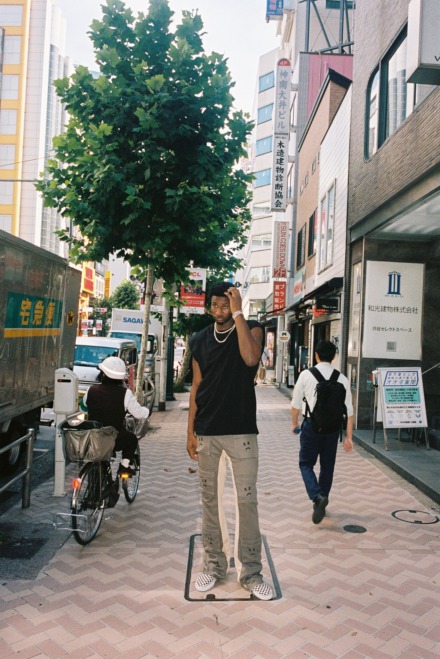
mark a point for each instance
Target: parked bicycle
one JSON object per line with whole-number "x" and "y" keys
{"x": 97, "y": 485}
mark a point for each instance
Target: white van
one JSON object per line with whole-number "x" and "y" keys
{"x": 90, "y": 351}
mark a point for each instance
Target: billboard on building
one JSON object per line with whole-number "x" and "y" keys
{"x": 393, "y": 310}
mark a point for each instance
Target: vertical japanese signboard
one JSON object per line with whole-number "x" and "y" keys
{"x": 194, "y": 292}
{"x": 402, "y": 398}
{"x": 281, "y": 235}
{"x": 279, "y": 295}
{"x": 393, "y": 310}
{"x": 281, "y": 136}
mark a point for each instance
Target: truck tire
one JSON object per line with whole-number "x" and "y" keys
{"x": 10, "y": 460}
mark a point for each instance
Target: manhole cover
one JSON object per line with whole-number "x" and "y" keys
{"x": 415, "y": 516}
{"x": 354, "y": 528}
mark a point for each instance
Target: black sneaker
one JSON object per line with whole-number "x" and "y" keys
{"x": 319, "y": 506}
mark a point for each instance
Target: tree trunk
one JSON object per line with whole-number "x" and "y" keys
{"x": 144, "y": 345}
{"x": 180, "y": 380}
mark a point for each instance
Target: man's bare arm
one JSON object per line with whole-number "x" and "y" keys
{"x": 191, "y": 444}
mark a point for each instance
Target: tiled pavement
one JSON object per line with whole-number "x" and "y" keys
{"x": 373, "y": 594}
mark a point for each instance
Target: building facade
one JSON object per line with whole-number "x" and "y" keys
{"x": 30, "y": 115}
{"x": 307, "y": 42}
{"x": 393, "y": 208}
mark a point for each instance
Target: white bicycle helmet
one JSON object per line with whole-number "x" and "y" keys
{"x": 114, "y": 368}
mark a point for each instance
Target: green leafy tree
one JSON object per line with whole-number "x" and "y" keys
{"x": 147, "y": 167}
{"x": 126, "y": 296}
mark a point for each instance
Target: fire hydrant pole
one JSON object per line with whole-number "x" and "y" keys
{"x": 144, "y": 346}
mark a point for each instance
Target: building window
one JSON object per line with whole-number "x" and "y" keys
{"x": 262, "y": 241}
{"x": 256, "y": 307}
{"x": 259, "y": 275}
{"x": 6, "y": 223}
{"x": 396, "y": 105}
{"x": 6, "y": 192}
{"x": 12, "y": 50}
{"x": 265, "y": 113}
{"x": 390, "y": 99}
{"x": 263, "y": 146}
{"x": 8, "y": 122}
{"x": 261, "y": 209}
{"x": 336, "y": 4}
{"x": 9, "y": 88}
{"x": 266, "y": 82}
{"x": 262, "y": 178}
{"x": 301, "y": 247}
{"x": 373, "y": 114}
{"x": 327, "y": 229}
{"x": 313, "y": 231}
{"x": 7, "y": 156}
{"x": 11, "y": 15}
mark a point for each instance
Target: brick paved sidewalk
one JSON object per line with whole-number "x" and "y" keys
{"x": 373, "y": 594}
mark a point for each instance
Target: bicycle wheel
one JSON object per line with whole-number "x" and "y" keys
{"x": 88, "y": 502}
{"x": 131, "y": 485}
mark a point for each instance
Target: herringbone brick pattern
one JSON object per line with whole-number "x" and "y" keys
{"x": 373, "y": 594}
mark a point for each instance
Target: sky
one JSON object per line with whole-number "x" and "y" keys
{"x": 235, "y": 28}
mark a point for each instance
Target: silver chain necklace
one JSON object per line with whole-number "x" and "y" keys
{"x": 227, "y": 332}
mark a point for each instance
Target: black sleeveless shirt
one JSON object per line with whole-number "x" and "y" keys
{"x": 225, "y": 399}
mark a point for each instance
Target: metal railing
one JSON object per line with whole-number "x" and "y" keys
{"x": 25, "y": 473}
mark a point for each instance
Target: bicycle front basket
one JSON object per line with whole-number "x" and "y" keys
{"x": 91, "y": 445}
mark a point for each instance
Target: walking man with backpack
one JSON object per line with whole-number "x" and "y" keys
{"x": 323, "y": 396}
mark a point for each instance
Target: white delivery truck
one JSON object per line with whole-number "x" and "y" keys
{"x": 128, "y": 324}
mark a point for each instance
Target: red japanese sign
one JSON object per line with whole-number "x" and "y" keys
{"x": 279, "y": 295}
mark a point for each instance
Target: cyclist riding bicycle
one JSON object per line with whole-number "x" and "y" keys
{"x": 109, "y": 402}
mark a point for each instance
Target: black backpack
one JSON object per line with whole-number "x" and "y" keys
{"x": 329, "y": 410}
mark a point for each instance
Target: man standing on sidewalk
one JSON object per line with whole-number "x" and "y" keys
{"x": 222, "y": 420}
{"x": 314, "y": 445}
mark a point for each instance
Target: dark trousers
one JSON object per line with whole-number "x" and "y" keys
{"x": 126, "y": 442}
{"x": 313, "y": 446}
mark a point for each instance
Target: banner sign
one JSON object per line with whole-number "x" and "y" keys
{"x": 279, "y": 295}
{"x": 278, "y": 200}
{"x": 30, "y": 315}
{"x": 402, "y": 398}
{"x": 299, "y": 285}
{"x": 281, "y": 136}
{"x": 193, "y": 294}
{"x": 281, "y": 235}
{"x": 282, "y": 98}
{"x": 274, "y": 9}
{"x": 393, "y": 310}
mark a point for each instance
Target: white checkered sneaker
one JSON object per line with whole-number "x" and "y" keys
{"x": 262, "y": 591}
{"x": 205, "y": 582}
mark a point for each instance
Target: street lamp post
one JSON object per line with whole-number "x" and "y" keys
{"x": 170, "y": 358}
